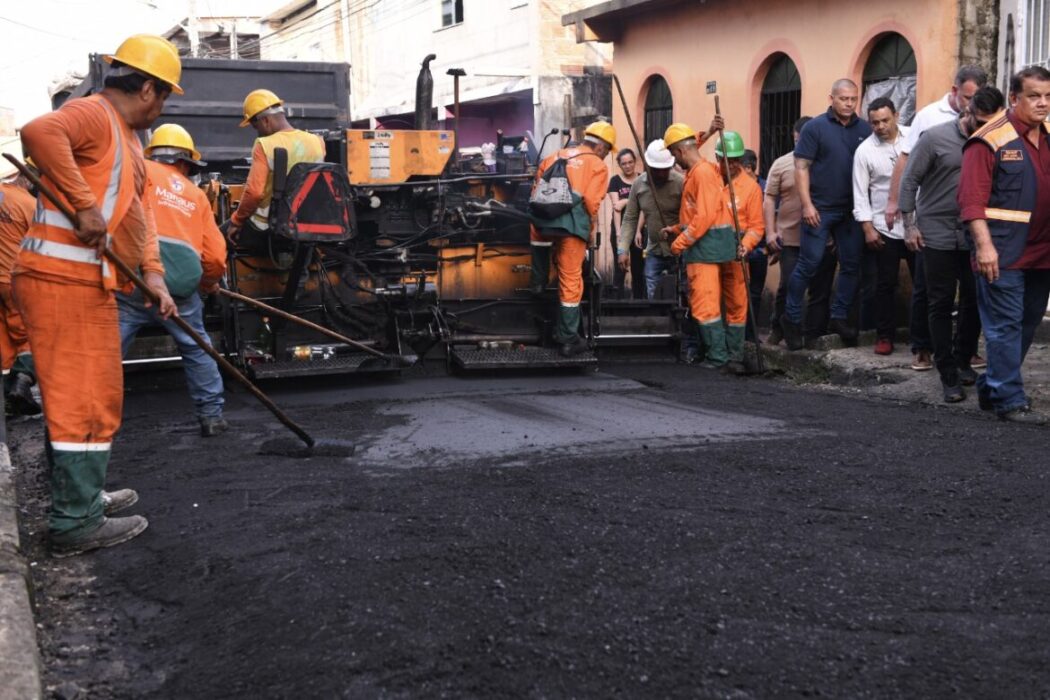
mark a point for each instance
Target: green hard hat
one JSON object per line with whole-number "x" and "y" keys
{"x": 733, "y": 143}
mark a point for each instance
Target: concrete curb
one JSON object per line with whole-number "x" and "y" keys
{"x": 19, "y": 655}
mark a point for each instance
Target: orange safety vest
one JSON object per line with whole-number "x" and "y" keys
{"x": 51, "y": 247}
{"x": 302, "y": 147}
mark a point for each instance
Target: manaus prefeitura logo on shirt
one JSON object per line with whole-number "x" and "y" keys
{"x": 171, "y": 197}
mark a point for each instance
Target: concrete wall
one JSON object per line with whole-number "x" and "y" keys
{"x": 310, "y": 35}
{"x": 735, "y": 44}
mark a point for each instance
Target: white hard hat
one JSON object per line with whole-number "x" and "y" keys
{"x": 657, "y": 156}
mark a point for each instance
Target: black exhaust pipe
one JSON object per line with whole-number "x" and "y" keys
{"x": 424, "y": 94}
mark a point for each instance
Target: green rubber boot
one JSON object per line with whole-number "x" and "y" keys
{"x": 714, "y": 335}
{"x": 540, "y": 271}
{"x": 77, "y": 478}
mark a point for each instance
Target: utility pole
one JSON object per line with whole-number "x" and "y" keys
{"x": 193, "y": 29}
{"x": 233, "y": 40}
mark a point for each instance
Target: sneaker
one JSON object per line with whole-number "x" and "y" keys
{"x": 20, "y": 399}
{"x": 840, "y": 327}
{"x": 1024, "y": 414}
{"x": 212, "y": 425}
{"x": 967, "y": 377}
{"x": 978, "y": 362}
{"x": 883, "y": 346}
{"x": 112, "y": 531}
{"x": 116, "y": 501}
{"x": 707, "y": 364}
{"x": 922, "y": 362}
{"x": 953, "y": 393}
{"x": 577, "y": 346}
{"x": 792, "y": 334}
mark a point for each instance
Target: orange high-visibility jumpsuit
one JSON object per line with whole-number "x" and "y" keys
{"x": 708, "y": 244}
{"x": 87, "y": 153}
{"x": 588, "y": 177}
{"x": 16, "y": 215}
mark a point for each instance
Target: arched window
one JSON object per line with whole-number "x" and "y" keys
{"x": 890, "y": 72}
{"x": 659, "y": 109}
{"x": 778, "y": 110}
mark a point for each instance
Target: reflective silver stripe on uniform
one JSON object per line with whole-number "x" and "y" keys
{"x": 176, "y": 241}
{"x": 50, "y": 217}
{"x": 109, "y": 203}
{"x": 63, "y": 251}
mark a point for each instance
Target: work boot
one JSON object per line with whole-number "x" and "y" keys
{"x": 573, "y": 348}
{"x": 775, "y": 336}
{"x": 708, "y": 364}
{"x": 953, "y": 392}
{"x": 20, "y": 397}
{"x": 115, "y": 501}
{"x": 735, "y": 367}
{"x": 967, "y": 376}
{"x": 212, "y": 425}
{"x": 112, "y": 531}
{"x": 540, "y": 269}
{"x": 691, "y": 355}
{"x": 792, "y": 334}
{"x": 1024, "y": 414}
{"x": 840, "y": 327}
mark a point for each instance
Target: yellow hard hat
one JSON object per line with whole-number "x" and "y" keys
{"x": 172, "y": 136}
{"x": 678, "y": 132}
{"x": 153, "y": 55}
{"x": 602, "y": 130}
{"x": 258, "y": 101}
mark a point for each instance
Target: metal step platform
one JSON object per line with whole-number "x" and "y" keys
{"x": 470, "y": 357}
{"x": 344, "y": 364}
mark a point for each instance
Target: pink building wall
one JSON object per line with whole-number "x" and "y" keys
{"x": 736, "y": 43}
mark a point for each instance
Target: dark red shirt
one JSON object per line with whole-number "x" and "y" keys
{"x": 975, "y": 189}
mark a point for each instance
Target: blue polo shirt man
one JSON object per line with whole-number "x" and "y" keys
{"x": 824, "y": 180}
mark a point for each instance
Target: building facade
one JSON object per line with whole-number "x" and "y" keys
{"x": 1024, "y": 36}
{"x": 525, "y": 72}
{"x": 771, "y": 61}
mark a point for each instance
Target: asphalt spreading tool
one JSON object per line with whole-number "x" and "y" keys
{"x": 712, "y": 88}
{"x": 399, "y": 360}
{"x": 307, "y": 446}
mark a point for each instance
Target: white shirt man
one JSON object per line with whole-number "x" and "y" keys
{"x": 872, "y": 172}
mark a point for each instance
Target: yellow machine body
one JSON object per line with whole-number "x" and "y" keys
{"x": 384, "y": 157}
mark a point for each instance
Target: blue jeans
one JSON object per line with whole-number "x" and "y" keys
{"x": 1011, "y": 309}
{"x": 655, "y": 267}
{"x": 202, "y": 374}
{"x": 849, "y": 244}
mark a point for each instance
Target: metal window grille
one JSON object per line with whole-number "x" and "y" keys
{"x": 659, "y": 109}
{"x": 1037, "y": 34}
{"x": 779, "y": 108}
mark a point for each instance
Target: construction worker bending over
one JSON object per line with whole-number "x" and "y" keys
{"x": 707, "y": 240}
{"x": 16, "y": 216}
{"x": 570, "y": 233}
{"x": 194, "y": 255}
{"x": 87, "y": 152}
{"x": 264, "y": 111}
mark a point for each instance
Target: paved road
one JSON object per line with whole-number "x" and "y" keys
{"x": 652, "y": 531}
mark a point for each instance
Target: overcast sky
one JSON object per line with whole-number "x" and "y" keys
{"x": 41, "y": 40}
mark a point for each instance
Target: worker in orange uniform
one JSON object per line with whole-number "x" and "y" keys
{"x": 264, "y": 111}
{"x": 570, "y": 234}
{"x": 194, "y": 255}
{"x": 16, "y": 215}
{"x": 88, "y": 153}
{"x": 707, "y": 240}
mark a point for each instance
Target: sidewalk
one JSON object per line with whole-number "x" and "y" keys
{"x": 19, "y": 658}
{"x": 860, "y": 370}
